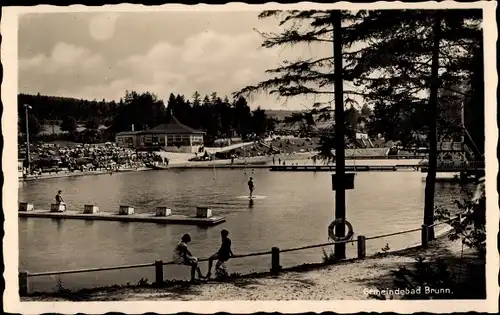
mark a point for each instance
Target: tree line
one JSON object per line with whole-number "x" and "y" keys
{"x": 218, "y": 116}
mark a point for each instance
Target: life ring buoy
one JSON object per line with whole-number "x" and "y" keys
{"x": 331, "y": 232}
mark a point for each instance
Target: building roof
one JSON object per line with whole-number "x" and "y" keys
{"x": 128, "y": 133}
{"x": 174, "y": 127}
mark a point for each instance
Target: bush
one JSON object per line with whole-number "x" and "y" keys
{"x": 436, "y": 280}
{"x": 328, "y": 257}
{"x": 471, "y": 221}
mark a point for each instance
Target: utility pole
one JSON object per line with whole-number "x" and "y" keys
{"x": 340, "y": 196}
{"x": 26, "y": 107}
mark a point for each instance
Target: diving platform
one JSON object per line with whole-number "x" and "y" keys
{"x": 135, "y": 217}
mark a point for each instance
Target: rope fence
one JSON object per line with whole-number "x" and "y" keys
{"x": 24, "y": 285}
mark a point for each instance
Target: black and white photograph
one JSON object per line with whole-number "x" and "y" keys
{"x": 296, "y": 153}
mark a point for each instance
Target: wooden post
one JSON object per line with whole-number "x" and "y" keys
{"x": 159, "y": 272}
{"x": 275, "y": 260}
{"x": 361, "y": 246}
{"x": 425, "y": 236}
{"x": 23, "y": 283}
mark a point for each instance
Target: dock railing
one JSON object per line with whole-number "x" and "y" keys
{"x": 24, "y": 276}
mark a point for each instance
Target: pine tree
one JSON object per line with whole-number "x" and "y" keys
{"x": 311, "y": 76}
{"x": 316, "y": 77}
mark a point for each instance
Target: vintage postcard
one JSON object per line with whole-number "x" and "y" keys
{"x": 243, "y": 158}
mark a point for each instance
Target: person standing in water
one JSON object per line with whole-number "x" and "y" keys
{"x": 251, "y": 186}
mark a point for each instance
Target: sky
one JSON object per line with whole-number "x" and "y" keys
{"x": 102, "y": 54}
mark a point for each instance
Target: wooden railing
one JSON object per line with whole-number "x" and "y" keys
{"x": 24, "y": 276}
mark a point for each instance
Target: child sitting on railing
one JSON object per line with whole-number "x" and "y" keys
{"x": 183, "y": 256}
{"x": 222, "y": 255}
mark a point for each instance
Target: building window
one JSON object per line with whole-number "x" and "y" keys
{"x": 196, "y": 140}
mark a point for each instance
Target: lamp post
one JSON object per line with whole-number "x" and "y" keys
{"x": 26, "y": 108}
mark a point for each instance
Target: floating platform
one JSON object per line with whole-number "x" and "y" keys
{"x": 138, "y": 217}
{"x": 349, "y": 168}
{"x": 455, "y": 167}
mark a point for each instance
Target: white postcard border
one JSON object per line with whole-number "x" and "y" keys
{"x": 12, "y": 302}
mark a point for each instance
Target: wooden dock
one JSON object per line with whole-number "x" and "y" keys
{"x": 137, "y": 217}
{"x": 349, "y": 168}
{"x": 458, "y": 166}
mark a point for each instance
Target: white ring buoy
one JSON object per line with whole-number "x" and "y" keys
{"x": 331, "y": 228}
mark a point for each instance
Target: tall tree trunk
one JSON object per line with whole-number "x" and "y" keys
{"x": 474, "y": 107}
{"x": 430, "y": 181}
{"x": 340, "y": 208}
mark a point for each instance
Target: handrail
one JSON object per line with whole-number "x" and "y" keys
{"x": 392, "y": 234}
{"x": 445, "y": 222}
{"x": 249, "y": 255}
{"x": 50, "y": 273}
{"x": 315, "y": 246}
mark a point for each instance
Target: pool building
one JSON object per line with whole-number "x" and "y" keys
{"x": 172, "y": 137}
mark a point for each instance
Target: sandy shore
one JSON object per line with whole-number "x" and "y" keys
{"x": 183, "y": 162}
{"x": 175, "y": 164}
{"x": 341, "y": 281}
{"x": 62, "y": 174}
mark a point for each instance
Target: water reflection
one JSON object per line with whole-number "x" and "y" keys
{"x": 202, "y": 231}
{"x": 57, "y": 223}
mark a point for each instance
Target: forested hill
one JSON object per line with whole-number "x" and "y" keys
{"x": 58, "y": 108}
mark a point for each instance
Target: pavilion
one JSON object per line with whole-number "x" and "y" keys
{"x": 172, "y": 137}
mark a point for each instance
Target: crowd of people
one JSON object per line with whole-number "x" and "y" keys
{"x": 87, "y": 157}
